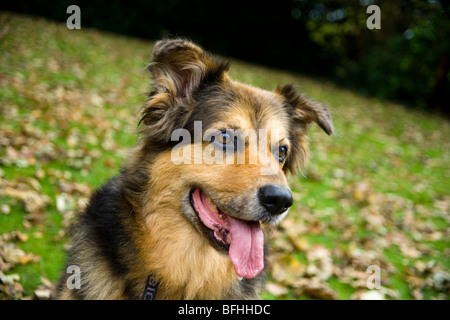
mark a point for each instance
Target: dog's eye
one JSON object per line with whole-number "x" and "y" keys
{"x": 282, "y": 153}
{"x": 224, "y": 139}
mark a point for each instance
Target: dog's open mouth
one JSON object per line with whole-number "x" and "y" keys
{"x": 243, "y": 239}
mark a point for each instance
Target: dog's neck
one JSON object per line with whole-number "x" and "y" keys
{"x": 184, "y": 264}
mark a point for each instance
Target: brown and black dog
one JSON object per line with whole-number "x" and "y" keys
{"x": 196, "y": 227}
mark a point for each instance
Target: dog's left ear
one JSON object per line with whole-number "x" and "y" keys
{"x": 302, "y": 112}
{"x": 305, "y": 111}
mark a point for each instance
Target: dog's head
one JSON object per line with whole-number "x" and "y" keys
{"x": 224, "y": 148}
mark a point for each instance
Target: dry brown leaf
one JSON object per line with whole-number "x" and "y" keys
{"x": 45, "y": 291}
{"x": 5, "y": 208}
{"x": 10, "y": 287}
{"x": 319, "y": 262}
{"x": 276, "y": 289}
{"x": 15, "y": 235}
{"x": 315, "y": 288}
{"x": 13, "y": 255}
{"x": 300, "y": 243}
{"x": 369, "y": 295}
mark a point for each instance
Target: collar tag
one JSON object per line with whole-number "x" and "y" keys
{"x": 151, "y": 287}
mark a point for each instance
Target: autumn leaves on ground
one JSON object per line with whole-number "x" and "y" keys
{"x": 374, "y": 194}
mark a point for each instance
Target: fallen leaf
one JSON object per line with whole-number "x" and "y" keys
{"x": 15, "y": 235}
{"x": 10, "y": 287}
{"x": 276, "y": 289}
{"x": 369, "y": 295}
{"x": 319, "y": 262}
{"x": 315, "y": 288}
{"x": 9, "y": 279}
{"x": 13, "y": 255}
{"x": 5, "y": 209}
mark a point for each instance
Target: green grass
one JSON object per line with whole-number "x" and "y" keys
{"x": 68, "y": 114}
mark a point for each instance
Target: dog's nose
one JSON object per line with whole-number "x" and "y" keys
{"x": 275, "y": 199}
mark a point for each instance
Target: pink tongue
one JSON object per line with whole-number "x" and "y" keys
{"x": 247, "y": 239}
{"x": 246, "y": 248}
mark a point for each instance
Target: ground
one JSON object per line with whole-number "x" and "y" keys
{"x": 372, "y": 200}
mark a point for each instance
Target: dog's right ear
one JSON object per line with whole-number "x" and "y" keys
{"x": 178, "y": 69}
{"x": 180, "y": 66}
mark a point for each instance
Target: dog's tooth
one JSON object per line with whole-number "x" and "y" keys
{"x": 220, "y": 217}
{"x": 211, "y": 204}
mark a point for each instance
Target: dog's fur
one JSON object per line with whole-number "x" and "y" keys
{"x": 141, "y": 222}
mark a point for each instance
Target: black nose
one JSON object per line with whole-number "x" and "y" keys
{"x": 275, "y": 199}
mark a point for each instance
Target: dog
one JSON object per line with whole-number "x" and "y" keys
{"x": 175, "y": 225}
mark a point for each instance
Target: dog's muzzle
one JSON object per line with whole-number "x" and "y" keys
{"x": 275, "y": 199}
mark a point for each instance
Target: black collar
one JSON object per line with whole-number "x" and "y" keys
{"x": 151, "y": 287}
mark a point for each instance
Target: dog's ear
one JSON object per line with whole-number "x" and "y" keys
{"x": 302, "y": 111}
{"x": 178, "y": 69}
{"x": 305, "y": 111}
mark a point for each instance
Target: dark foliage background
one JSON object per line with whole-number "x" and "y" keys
{"x": 407, "y": 59}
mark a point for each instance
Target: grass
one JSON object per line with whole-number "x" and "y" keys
{"x": 371, "y": 194}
